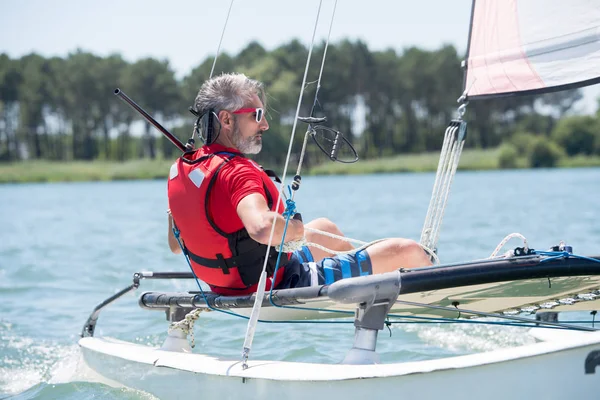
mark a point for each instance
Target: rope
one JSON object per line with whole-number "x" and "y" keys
{"x": 428, "y": 233}
{"x": 448, "y": 164}
{"x": 333, "y": 235}
{"x": 186, "y": 325}
{"x": 553, "y": 255}
{"x": 427, "y": 230}
{"x": 453, "y": 165}
{"x": 505, "y": 240}
{"x": 189, "y": 263}
{"x": 220, "y": 41}
{"x": 263, "y": 277}
{"x": 291, "y": 246}
{"x": 297, "y": 244}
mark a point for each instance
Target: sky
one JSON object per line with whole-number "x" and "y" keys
{"x": 185, "y": 32}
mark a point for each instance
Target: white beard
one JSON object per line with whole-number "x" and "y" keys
{"x": 249, "y": 145}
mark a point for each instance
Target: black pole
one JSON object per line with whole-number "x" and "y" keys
{"x": 90, "y": 325}
{"x": 158, "y": 126}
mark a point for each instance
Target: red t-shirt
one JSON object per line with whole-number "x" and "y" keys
{"x": 236, "y": 180}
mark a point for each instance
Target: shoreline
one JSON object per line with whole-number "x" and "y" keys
{"x": 145, "y": 169}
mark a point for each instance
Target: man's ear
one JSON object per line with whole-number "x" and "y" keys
{"x": 225, "y": 118}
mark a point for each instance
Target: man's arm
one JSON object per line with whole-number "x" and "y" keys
{"x": 173, "y": 244}
{"x": 258, "y": 221}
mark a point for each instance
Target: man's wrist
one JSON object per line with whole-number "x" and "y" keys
{"x": 298, "y": 229}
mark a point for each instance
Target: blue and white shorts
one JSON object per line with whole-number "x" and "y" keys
{"x": 302, "y": 270}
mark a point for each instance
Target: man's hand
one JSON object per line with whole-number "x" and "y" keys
{"x": 258, "y": 221}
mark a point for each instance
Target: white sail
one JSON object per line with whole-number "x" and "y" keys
{"x": 532, "y": 46}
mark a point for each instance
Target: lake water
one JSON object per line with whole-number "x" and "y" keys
{"x": 66, "y": 247}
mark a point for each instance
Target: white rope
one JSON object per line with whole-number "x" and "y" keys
{"x": 252, "y": 321}
{"x": 426, "y": 234}
{"x": 454, "y": 159}
{"x": 505, "y": 240}
{"x": 448, "y": 164}
{"x": 298, "y": 244}
{"x": 333, "y": 235}
{"x": 292, "y": 246}
{"x": 220, "y": 41}
{"x": 186, "y": 325}
{"x": 442, "y": 187}
{"x": 357, "y": 249}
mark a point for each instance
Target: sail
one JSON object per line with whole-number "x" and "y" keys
{"x": 531, "y": 46}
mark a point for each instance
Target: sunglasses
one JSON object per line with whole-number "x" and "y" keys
{"x": 259, "y": 112}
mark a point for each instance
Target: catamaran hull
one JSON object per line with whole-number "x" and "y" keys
{"x": 565, "y": 367}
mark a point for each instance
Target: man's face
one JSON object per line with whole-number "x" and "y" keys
{"x": 247, "y": 133}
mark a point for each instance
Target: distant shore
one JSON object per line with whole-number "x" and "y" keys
{"x": 48, "y": 171}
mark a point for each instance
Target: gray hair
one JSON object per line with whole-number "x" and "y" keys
{"x": 228, "y": 91}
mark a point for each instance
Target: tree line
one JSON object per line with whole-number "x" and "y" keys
{"x": 63, "y": 108}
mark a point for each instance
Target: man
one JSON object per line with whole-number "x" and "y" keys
{"x": 224, "y": 206}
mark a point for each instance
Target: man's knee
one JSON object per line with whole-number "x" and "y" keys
{"x": 405, "y": 247}
{"x": 324, "y": 224}
{"x": 412, "y": 254}
{"x": 412, "y": 246}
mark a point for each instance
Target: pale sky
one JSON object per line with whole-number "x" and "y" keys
{"x": 186, "y": 31}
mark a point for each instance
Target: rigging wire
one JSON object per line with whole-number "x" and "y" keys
{"x": 315, "y": 102}
{"x": 221, "y": 40}
{"x": 251, "y": 328}
{"x": 492, "y": 315}
{"x": 290, "y": 202}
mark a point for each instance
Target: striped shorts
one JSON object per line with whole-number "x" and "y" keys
{"x": 303, "y": 271}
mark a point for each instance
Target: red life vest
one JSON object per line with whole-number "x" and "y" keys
{"x": 230, "y": 263}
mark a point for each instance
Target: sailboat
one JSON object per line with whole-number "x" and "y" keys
{"x": 515, "y": 48}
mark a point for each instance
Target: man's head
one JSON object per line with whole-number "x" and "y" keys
{"x": 238, "y": 102}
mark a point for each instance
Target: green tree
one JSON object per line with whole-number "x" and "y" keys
{"x": 58, "y": 107}
{"x": 523, "y": 142}
{"x": 33, "y": 92}
{"x": 84, "y": 92}
{"x": 252, "y": 54}
{"x": 508, "y": 157}
{"x": 385, "y": 103}
{"x": 153, "y": 84}
{"x": 109, "y": 75}
{"x": 544, "y": 154}
{"x": 538, "y": 124}
{"x": 385, "y": 94}
{"x": 561, "y": 102}
{"x": 10, "y": 80}
{"x": 576, "y": 134}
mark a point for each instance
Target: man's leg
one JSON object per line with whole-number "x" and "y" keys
{"x": 385, "y": 256}
{"x": 392, "y": 254}
{"x": 325, "y": 225}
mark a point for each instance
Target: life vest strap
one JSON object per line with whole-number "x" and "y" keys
{"x": 272, "y": 174}
{"x": 225, "y": 264}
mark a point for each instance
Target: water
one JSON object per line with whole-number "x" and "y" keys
{"x": 66, "y": 247}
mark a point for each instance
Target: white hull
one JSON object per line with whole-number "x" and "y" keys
{"x": 555, "y": 369}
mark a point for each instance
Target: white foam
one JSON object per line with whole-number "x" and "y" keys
{"x": 13, "y": 381}
{"x": 470, "y": 338}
